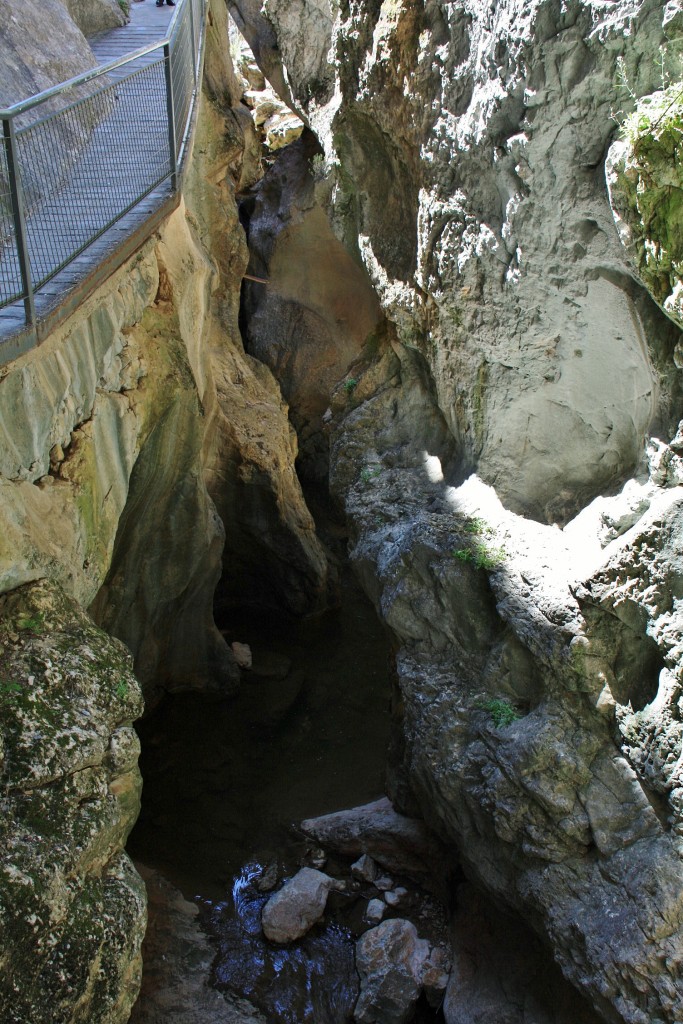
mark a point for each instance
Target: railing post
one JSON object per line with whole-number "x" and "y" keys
{"x": 170, "y": 113}
{"x": 193, "y": 38}
{"x": 19, "y": 218}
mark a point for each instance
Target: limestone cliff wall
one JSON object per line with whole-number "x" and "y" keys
{"x": 143, "y": 456}
{"x": 539, "y": 667}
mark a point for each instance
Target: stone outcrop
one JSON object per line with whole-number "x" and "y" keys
{"x": 93, "y": 16}
{"x": 40, "y": 46}
{"x": 645, "y": 193}
{"x": 537, "y": 671}
{"x": 465, "y": 143}
{"x": 72, "y": 908}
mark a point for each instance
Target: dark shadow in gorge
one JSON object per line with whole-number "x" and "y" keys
{"x": 225, "y": 779}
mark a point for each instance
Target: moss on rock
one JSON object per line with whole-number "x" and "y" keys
{"x": 72, "y": 908}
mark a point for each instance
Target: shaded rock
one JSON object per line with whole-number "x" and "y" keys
{"x": 501, "y": 973}
{"x": 177, "y": 958}
{"x": 292, "y": 911}
{"x": 400, "y": 844}
{"x": 41, "y": 47}
{"x": 364, "y": 868}
{"x": 375, "y": 911}
{"x": 390, "y": 960}
{"x": 242, "y": 654}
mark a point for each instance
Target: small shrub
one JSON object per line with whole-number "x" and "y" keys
{"x": 477, "y": 525}
{"x": 501, "y": 711}
{"x": 369, "y": 473}
{"x": 33, "y": 623}
{"x": 122, "y": 689}
{"x": 350, "y": 385}
{"x": 318, "y": 167}
{"x": 480, "y": 555}
{"x": 9, "y": 687}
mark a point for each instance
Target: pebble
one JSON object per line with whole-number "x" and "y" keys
{"x": 375, "y": 911}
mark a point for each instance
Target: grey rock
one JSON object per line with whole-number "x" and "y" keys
{"x": 364, "y": 868}
{"x": 298, "y": 905}
{"x": 400, "y": 844}
{"x": 375, "y": 911}
{"x": 93, "y": 16}
{"x": 390, "y": 960}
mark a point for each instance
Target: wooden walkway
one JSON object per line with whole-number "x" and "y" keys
{"x": 132, "y": 133}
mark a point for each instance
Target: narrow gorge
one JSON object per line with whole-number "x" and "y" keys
{"x": 341, "y": 545}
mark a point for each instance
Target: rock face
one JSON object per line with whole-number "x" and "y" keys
{"x": 318, "y": 309}
{"x": 72, "y": 908}
{"x": 537, "y": 666}
{"x": 469, "y": 141}
{"x": 40, "y": 47}
{"x": 645, "y": 188}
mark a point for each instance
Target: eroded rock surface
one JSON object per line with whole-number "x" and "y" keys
{"x": 72, "y": 908}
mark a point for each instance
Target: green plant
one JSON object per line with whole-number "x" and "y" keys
{"x": 125, "y": 6}
{"x": 480, "y": 555}
{"x": 350, "y": 385}
{"x": 477, "y": 525}
{"x": 34, "y": 623}
{"x": 9, "y": 686}
{"x": 502, "y": 712}
{"x": 318, "y": 167}
{"x": 369, "y": 473}
{"x": 122, "y": 689}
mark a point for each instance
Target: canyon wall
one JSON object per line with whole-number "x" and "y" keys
{"x": 506, "y": 447}
{"x": 143, "y": 457}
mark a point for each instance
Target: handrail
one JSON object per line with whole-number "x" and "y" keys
{"x": 53, "y": 200}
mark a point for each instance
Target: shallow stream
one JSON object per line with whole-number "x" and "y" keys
{"x": 224, "y": 780}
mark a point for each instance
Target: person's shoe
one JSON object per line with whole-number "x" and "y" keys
{"x": 160, "y": 3}
{"x": 171, "y": 3}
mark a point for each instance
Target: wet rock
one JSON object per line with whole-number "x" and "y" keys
{"x": 269, "y": 877}
{"x": 301, "y": 902}
{"x": 384, "y": 883}
{"x": 390, "y": 960}
{"x": 402, "y": 845}
{"x": 393, "y": 898}
{"x": 177, "y": 957}
{"x": 364, "y": 868}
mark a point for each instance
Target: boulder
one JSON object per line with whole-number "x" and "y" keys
{"x": 390, "y": 960}
{"x": 400, "y": 844}
{"x": 298, "y": 905}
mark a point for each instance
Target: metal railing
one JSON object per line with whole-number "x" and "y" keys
{"x": 78, "y": 157}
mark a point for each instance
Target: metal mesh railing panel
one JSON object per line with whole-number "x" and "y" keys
{"x": 83, "y": 167}
{"x": 182, "y": 74}
{"x": 73, "y": 198}
{"x": 10, "y": 274}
